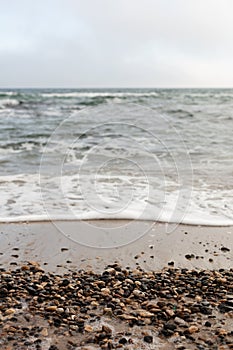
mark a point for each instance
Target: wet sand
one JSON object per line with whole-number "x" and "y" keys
{"x": 60, "y": 246}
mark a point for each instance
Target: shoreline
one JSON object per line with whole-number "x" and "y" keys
{"x": 97, "y": 243}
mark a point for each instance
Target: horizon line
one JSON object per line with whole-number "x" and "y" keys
{"x": 118, "y": 87}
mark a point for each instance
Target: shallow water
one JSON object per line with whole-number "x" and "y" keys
{"x": 137, "y": 154}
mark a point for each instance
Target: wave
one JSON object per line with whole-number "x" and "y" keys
{"x": 7, "y": 102}
{"x": 8, "y": 93}
{"x": 14, "y": 99}
{"x": 99, "y": 94}
{"x": 189, "y": 220}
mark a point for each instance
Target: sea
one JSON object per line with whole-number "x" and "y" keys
{"x": 163, "y": 155}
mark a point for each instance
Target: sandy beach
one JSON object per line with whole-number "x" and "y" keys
{"x": 138, "y": 285}
{"x": 60, "y": 246}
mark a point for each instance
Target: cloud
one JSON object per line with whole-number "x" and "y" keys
{"x": 76, "y": 43}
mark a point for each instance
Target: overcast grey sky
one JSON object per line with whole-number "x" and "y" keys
{"x": 116, "y": 43}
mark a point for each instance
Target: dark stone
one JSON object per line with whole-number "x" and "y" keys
{"x": 123, "y": 341}
{"x": 44, "y": 278}
{"x": 31, "y": 290}
{"x": 10, "y": 338}
{"x": 170, "y": 326}
{"x": 188, "y": 256}
{"x": 65, "y": 282}
{"x": 167, "y": 332}
{"x": 83, "y": 310}
{"x": 225, "y": 249}
{"x": 3, "y": 293}
{"x": 148, "y": 339}
{"x": 205, "y": 310}
{"x": 56, "y": 322}
{"x": 225, "y": 307}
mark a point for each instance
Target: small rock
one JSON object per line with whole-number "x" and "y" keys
{"x": 111, "y": 271}
{"x": 127, "y": 317}
{"x": 222, "y": 332}
{"x": 170, "y": 312}
{"x": 138, "y": 293}
{"x": 193, "y": 329}
{"x": 108, "y": 311}
{"x": 51, "y": 308}
{"x": 123, "y": 341}
{"x": 148, "y": 339}
{"x": 53, "y": 347}
{"x": 9, "y": 311}
{"x": 105, "y": 291}
{"x": 225, "y": 307}
{"x": 9, "y": 328}
{"x": 88, "y": 328}
{"x": 60, "y": 310}
{"x": 189, "y": 256}
{"x": 25, "y": 268}
{"x": 144, "y": 313}
{"x": 225, "y": 249}
{"x": 198, "y": 298}
{"x": 180, "y": 321}
{"x": 44, "y": 332}
{"x": 106, "y": 329}
{"x": 169, "y": 325}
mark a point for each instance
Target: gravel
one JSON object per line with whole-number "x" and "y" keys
{"x": 118, "y": 308}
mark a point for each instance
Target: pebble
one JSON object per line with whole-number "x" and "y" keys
{"x": 144, "y": 313}
{"x": 60, "y": 310}
{"x": 138, "y": 293}
{"x": 105, "y": 291}
{"x": 110, "y": 309}
{"x": 51, "y": 308}
{"x": 225, "y": 249}
{"x": 123, "y": 341}
{"x": 180, "y": 321}
{"x": 148, "y": 339}
{"x": 198, "y": 298}
{"x": 193, "y": 329}
{"x": 9, "y": 311}
{"x": 88, "y": 328}
{"x": 44, "y": 332}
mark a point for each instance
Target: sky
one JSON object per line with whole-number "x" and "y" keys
{"x": 116, "y": 43}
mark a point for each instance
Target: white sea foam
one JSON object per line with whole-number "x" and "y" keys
{"x": 20, "y": 200}
{"x": 8, "y": 93}
{"x": 100, "y": 94}
{"x": 7, "y": 102}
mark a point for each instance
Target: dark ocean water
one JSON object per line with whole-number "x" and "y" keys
{"x": 134, "y": 153}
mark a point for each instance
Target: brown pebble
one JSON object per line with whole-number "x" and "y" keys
{"x": 88, "y": 328}
{"x": 193, "y": 329}
{"x": 51, "y": 308}
{"x": 44, "y": 332}
{"x": 10, "y": 311}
